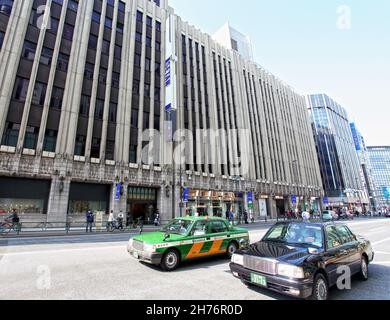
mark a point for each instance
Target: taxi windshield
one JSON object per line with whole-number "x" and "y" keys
{"x": 296, "y": 234}
{"x": 178, "y": 226}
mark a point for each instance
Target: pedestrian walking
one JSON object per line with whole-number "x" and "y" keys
{"x": 110, "y": 219}
{"x": 246, "y": 217}
{"x": 252, "y": 218}
{"x": 227, "y": 215}
{"x": 90, "y": 221}
{"x": 121, "y": 218}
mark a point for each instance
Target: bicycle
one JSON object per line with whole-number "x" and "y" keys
{"x": 7, "y": 227}
{"x": 139, "y": 224}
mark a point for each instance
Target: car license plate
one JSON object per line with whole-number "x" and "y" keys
{"x": 258, "y": 279}
{"x": 135, "y": 255}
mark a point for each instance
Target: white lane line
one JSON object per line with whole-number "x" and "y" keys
{"x": 381, "y": 262}
{"x": 60, "y": 251}
{"x": 380, "y": 242}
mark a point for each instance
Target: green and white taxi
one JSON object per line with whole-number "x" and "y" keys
{"x": 189, "y": 238}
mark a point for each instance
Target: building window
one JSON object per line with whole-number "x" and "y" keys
{"x": 136, "y": 87}
{"x": 133, "y": 154}
{"x": 21, "y": 87}
{"x": 2, "y": 35}
{"x": 106, "y": 47}
{"x": 6, "y": 6}
{"x": 62, "y": 62}
{"x": 31, "y": 138}
{"x": 158, "y": 25}
{"x": 122, "y": 6}
{"x": 137, "y": 60}
{"x": 134, "y": 118}
{"x": 102, "y": 75}
{"x": 149, "y": 21}
{"x": 112, "y": 112}
{"x": 138, "y": 37}
{"x": 99, "y": 109}
{"x": 53, "y": 25}
{"x": 49, "y": 144}
{"x": 73, "y": 5}
{"x": 147, "y": 90}
{"x": 68, "y": 32}
{"x": 56, "y": 98}
{"x": 118, "y": 52}
{"x": 140, "y": 16}
{"x": 110, "y": 149}
{"x": 89, "y": 71}
{"x": 79, "y": 146}
{"x": 115, "y": 79}
{"x": 11, "y": 133}
{"x": 108, "y": 22}
{"x": 92, "y": 42}
{"x": 96, "y": 16}
{"x": 95, "y": 148}
{"x": 119, "y": 27}
{"x": 46, "y": 56}
{"x": 147, "y": 64}
{"x": 39, "y": 94}
{"x": 29, "y": 49}
{"x": 149, "y": 42}
{"x": 84, "y": 105}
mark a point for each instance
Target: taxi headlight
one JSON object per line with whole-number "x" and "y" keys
{"x": 238, "y": 259}
{"x": 149, "y": 248}
{"x": 290, "y": 271}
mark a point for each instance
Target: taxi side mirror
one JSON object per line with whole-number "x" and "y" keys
{"x": 167, "y": 236}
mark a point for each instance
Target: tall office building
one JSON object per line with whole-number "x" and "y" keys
{"x": 83, "y": 108}
{"x": 380, "y": 162}
{"x": 339, "y": 163}
{"x": 366, "y": 168}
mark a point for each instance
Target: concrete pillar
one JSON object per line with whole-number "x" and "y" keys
{"x": 272, "y": 206}
{"x": 58, "y": 200}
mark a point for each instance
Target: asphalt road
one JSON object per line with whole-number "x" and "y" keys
{"x": 99, "y": 267}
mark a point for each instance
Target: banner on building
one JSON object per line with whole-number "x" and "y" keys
{"x": 294, "y": 199}
{"x": 356, "y": 137}
{"x": 386, "y": 193}
{"x": 170, "y": 65}
{"x": 250, "y": 200}
{"x": 186, "y": 195}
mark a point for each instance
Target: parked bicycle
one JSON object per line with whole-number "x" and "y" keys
{"x": 139, "y": 224}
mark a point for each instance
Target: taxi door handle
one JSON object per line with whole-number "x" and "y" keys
{"x": 208, "y": 238}
{"x": 229, "y": 236}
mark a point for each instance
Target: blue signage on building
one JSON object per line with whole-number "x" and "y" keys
{"x": 118, "y": 191}
{"x": 294, "y": 199}
{"x": 356, "y": 138}
{"x": 386, "y": 193}
{"x": 186, "y": 195}
{"x": 326, "y": 201}
{"x": 250, "y": 197}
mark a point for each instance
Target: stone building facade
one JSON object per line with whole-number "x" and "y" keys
{"x": 82, "y": 83}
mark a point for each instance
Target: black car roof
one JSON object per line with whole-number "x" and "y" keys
{"x": 318, "y": 224}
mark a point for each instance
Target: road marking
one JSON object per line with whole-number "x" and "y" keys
{"x": 5, "y": 254}
{"x": 381, "y": 262}
{"x": 380, "y": 242}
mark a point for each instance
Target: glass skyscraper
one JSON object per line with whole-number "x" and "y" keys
{"x": 380, "y": 162}
{"x": 340, "y": 169}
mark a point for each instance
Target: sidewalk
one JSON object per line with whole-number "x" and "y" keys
{"x": 80, "y": 231}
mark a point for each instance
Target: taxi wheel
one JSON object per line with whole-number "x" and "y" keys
{"x": 363, "y": 274}
{"x": 320, "y": 288}
{"x": 170, "y": 260}
{"x": 231, "y": 249}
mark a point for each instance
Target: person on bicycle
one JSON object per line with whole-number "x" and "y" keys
{"x": 121, "y": 218}
{"x": 13, "y": 218}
